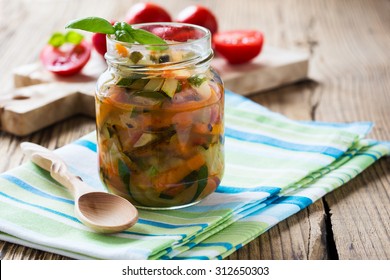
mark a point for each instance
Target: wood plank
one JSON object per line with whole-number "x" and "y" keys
{"x": 355, "y": 88}
{"x": 360, "y": 215}
{"x": 28, "y": 109}
{"x": 273, "y": 68}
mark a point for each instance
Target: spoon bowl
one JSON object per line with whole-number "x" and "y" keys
{"x": 106, "y": 213}
{"x": 103, "y": 212}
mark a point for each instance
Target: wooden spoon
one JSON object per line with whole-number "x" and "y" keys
{"x": 101, "y": 211}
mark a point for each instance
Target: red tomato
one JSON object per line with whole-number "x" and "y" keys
{"x": 99, "y": 43}
{"x": 199, "y": 15}
{"x": 238, "y": 46}
{"x": 147, "y": 12}
{"x": 179, "y": 34}
{"x": 67, "y": 59}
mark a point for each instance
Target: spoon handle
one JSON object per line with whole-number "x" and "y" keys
{"x": 51, "y": 162}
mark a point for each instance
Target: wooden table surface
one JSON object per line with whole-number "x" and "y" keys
{"x": 349, "y": 43}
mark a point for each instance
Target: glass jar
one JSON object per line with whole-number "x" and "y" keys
{"x": 160, "y": 119}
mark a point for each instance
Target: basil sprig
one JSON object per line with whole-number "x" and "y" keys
{"x": 72, "y": 37}
{"x": 122, "y": 31}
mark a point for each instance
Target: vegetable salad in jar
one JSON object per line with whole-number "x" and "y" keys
{"x": 160, "y": 120}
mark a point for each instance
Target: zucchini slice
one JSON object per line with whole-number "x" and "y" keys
{"x": 154, "y": 84}
{"x": 170, "y": 86}
{"x": 145, "y": 139}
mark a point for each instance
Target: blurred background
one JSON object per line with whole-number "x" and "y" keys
{"x": 340, "y": 35}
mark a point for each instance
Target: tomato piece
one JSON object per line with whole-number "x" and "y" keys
{"x": 66, "y": 60}
{"x": 175, "y": 33}
{"x": 238, "y": 46}
{"x": 147, "y": 12}
{"x": 199, "y": 15}
{"x": 99, "y": 43}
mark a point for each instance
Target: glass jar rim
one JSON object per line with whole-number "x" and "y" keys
{"x": 206, "y": 34}
{"x": 197, "y": 44}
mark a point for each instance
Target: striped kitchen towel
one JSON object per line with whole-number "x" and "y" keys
{"x": 274, "y": 168}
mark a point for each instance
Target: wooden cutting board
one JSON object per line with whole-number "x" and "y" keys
{"x": 41, "y": 98}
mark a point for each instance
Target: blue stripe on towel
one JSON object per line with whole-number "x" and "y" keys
{"x": 190, "y": 258}
{"x": 262, "y": 139}
{"x": 165, "y": 225}
{"x": 299, "y": 201}
{"x": 226, "y": 245}
{"x": 41, "y": 207}
{"x": 28, "y": 187}
{"x": 129, "y": 232}
{"x": 86, "y": 143}
{"x": 228, "y": 189}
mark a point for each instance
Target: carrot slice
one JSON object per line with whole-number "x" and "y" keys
{"x": 176, "y": 174}
{"x": 195, "y": 162}
{"x": 122, "y": 51}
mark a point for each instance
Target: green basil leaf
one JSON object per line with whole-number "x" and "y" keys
{"x": 123, "y": 26}
{"x": 123, "y": 36}
{"x": 57, "y": 39}
{"x": 73, "y": 37}
{"x": 127, "y": 27}
{"x": 117, "y": 26}
{"x": 197, "y": 79}
{"x": 146, "y": 38}
{"x": 92, "y": 24}
{"x": 123, "y": 31}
